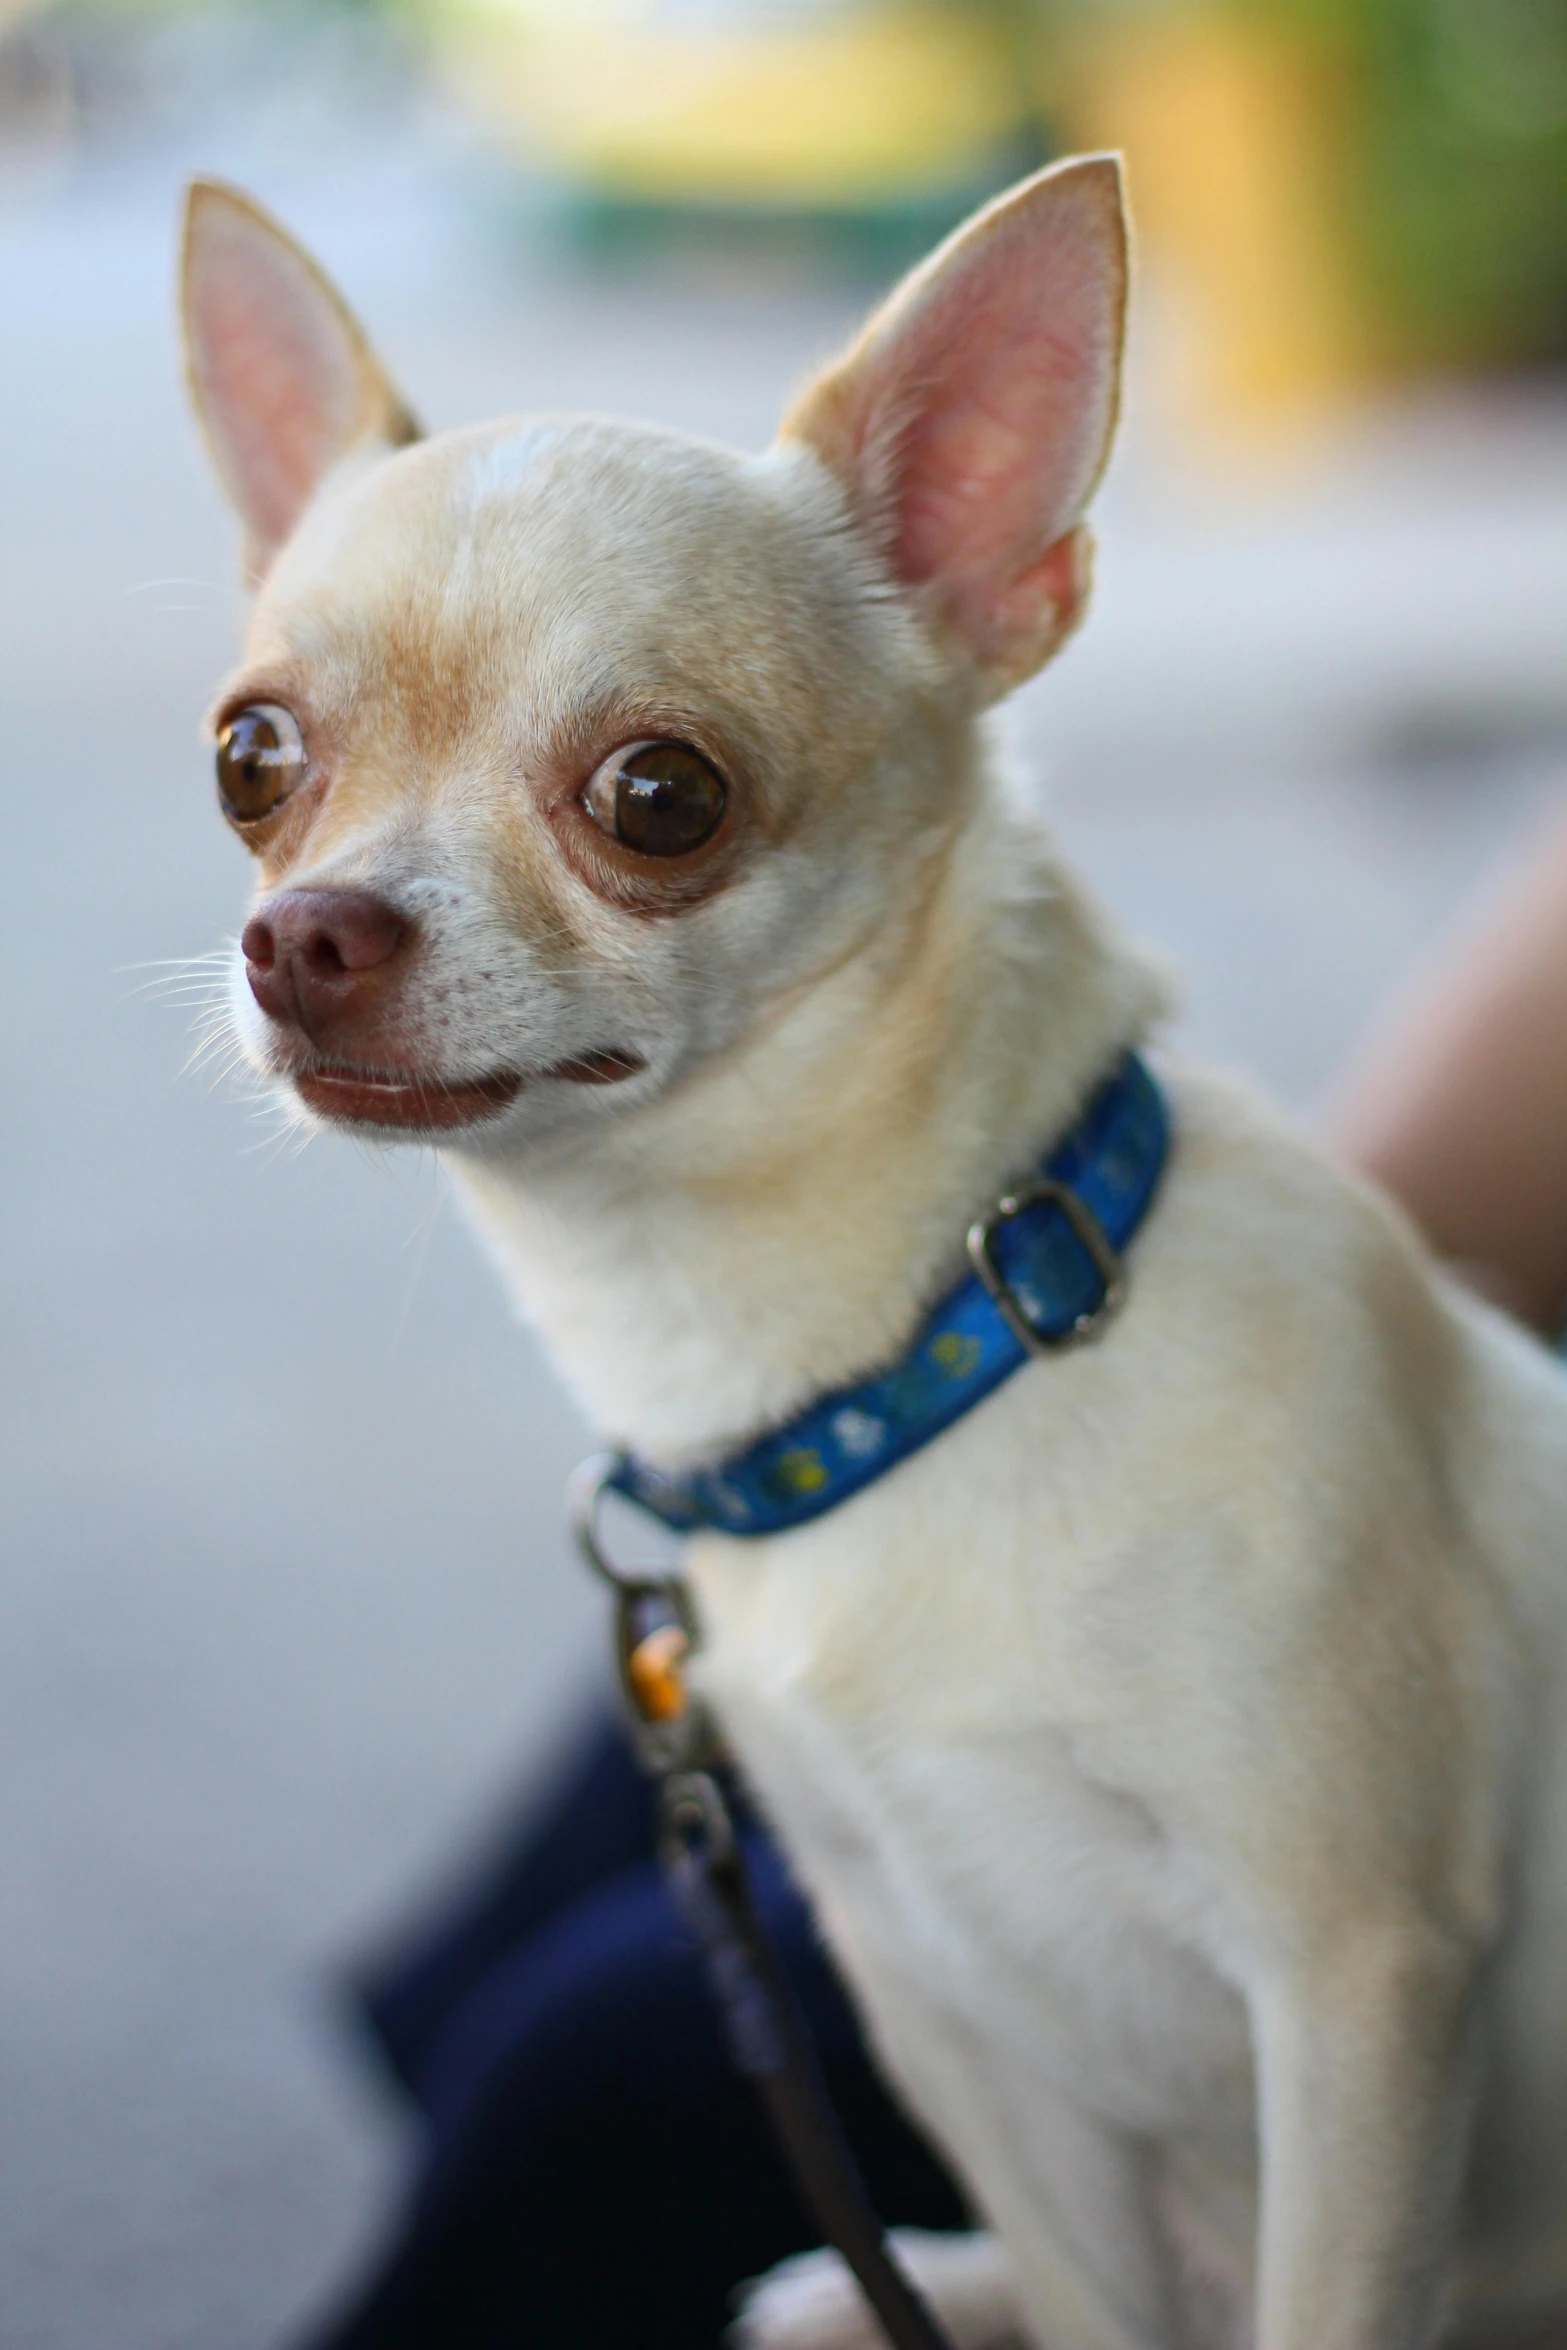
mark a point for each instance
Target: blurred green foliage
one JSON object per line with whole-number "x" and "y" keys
{"x": 1459, "y": 191}
{"x": 1450, "y": 175}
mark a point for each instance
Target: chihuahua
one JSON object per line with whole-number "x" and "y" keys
{"x": 1174, "y": 1748}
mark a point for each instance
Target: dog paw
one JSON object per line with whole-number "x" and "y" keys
{"x": 808, "y": 2303}
{"x": 813, "y": 2302}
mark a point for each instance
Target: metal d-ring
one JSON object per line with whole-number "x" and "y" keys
{"x": 586, "y": 1487}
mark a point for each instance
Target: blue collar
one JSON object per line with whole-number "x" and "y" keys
{"x": 1046, "y": 1273}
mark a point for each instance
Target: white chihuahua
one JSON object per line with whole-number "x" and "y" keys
{"x": 1174, "y": 1748}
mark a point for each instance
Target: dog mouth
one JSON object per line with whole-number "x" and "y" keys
{"x": 417, "y": 1101}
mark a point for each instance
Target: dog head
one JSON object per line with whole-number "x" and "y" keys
{"x": 566, "y": 748}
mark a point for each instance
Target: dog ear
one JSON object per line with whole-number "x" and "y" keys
{"x": 971, "y": 421}
{"x": 282, "y": 376}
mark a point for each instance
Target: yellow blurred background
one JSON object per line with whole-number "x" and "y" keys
{"x": 1333, "y": 193}
{"x": 1336, "y": 190}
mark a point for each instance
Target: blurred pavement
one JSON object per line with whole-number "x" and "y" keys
{"x": 284, "y": 1602}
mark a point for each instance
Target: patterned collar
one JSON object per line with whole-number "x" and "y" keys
{"x": 1046, "y": 1273}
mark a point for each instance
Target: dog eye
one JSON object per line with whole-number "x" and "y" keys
{"x": 659, "y": 798}
{"x": 261, "y": 757}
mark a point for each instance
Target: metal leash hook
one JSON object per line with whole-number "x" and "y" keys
{"x": 655, "y": 1630}
{"x": 703, "y": 1861}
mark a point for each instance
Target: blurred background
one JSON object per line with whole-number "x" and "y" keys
{"x": 286, "y": 1617}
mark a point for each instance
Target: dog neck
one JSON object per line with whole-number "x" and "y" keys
{"x": 778, "y": 1222}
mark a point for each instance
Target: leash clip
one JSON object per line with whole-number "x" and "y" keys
{"x": 705, "y": 1869}
{"x": 1047, "y": 1190}
{"x": 655, "y": 1632}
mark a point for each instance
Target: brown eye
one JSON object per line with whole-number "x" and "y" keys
{"x": 260, "y": 759}
{"x": 659, "y": 798}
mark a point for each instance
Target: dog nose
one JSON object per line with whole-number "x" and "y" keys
{"x": 312, "y": 955}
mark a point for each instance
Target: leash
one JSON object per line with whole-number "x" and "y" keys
{"x": 704, "y": 1866}
{"x": 1045, "y": 1272}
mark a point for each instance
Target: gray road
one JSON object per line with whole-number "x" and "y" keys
{"x": 283, "y": 1602}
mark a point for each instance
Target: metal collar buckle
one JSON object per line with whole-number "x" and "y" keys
{"x": 1088, "y": 1229}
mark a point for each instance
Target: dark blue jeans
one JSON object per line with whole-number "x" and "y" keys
{"x": 592, "y": 2174}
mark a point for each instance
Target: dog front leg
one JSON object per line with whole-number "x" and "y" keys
{"x": 1363, "y": 2109}
{"x": 1086, "y": 2264}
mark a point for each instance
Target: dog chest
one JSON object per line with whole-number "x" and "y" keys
{"x": 976, "y": 1884}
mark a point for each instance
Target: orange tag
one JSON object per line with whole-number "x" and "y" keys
{"x": 653, "y": 1669}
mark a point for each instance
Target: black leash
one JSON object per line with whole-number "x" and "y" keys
{"x": 655, "y": 1630}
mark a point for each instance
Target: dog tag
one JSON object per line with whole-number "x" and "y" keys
{"x": 653, "y": 1668}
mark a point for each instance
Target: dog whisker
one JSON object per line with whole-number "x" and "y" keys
{"x": 146, "y": 587}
